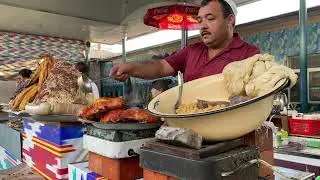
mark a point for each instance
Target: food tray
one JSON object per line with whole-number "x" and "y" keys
{"x": 126, "y": 126}
{"x": 56, "y": 118}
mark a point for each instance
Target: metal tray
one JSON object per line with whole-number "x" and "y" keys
{"x": 126, "y": 126}
{"x": 56, "y": 118}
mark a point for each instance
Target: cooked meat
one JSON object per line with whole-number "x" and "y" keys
{"x": 101, "y": 106}
{"x": 110, "y": 103}
{"x": 61, "y": 85}
{"x": 238, "y": 99}
{"x": 140, "y": 115}
{"x": 90, "y": 112}
{"x": 202, "y": 104}
{"x": 112, "y": 116}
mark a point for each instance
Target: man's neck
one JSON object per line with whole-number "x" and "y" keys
{"x": 214, "y": 51}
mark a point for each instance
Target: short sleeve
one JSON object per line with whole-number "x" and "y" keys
{"x": 178, "y": 60}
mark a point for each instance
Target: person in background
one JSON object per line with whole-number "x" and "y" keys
{"x": 159, "y": 86}
{"x": 83, "y": 68}
{"x": 219, "y": 47}
{"x": 23, "y": 81}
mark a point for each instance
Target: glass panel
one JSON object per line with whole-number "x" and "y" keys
{"x": 295, "y": 92}
{"x": 313, "y": 61}
{"x": 314, "y": 94}
{"x": 314, "y": 79}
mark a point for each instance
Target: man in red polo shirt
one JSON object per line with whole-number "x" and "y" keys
{"x": 219, "y": 47}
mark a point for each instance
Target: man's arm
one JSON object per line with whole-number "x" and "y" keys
{"x": 144, "y": 70}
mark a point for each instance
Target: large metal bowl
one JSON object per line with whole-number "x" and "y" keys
{"x": 223, "y": 124}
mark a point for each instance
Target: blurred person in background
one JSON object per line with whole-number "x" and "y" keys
{"x": 83, "y": 68}
{"x": 23, "y": 81}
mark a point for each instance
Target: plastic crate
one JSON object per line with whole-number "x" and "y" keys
{"x": 306, "y": 127}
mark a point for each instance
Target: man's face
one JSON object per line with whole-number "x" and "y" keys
{"x": 214, "y": 28}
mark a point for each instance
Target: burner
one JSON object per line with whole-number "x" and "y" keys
{"x": 235, "y": 164}
{"x": 206, "y": 150}
{"x": 114, "y": 150}
{"x": 120, "y": 135}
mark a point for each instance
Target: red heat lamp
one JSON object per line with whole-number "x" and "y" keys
{"x": 173, "y": 17}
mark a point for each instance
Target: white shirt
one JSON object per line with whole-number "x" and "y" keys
{"x": 95, "y": 90}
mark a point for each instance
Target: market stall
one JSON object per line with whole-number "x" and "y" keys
{"x": 64, "y": 123}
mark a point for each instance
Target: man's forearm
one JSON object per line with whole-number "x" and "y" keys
{"x": 149, "y": 69}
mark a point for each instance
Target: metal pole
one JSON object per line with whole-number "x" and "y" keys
{"x": 124, "y": 53}
{"x": 184, "y": 38}
{"x": 87, "y": 52}
{"x": 127, "y": 86}
{"x": 303, "y": 56}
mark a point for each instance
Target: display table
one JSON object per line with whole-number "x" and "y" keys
{"x": 10, "y": 144}
{"x": 21, "y": 171}
{"x": 306, "y": 160}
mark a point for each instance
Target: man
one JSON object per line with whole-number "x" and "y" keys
{"x": 23, "y": 81}
{"x": 219, "y": 47}
{"x": 83, "y": 68}
{"x": 160, "y": 86}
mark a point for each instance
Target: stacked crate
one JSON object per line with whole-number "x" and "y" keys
{"x": 48, "y": 147}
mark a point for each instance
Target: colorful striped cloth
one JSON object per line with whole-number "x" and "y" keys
{"x": 18, "y": 51}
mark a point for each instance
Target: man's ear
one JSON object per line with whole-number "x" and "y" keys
{"x": 231, "y": 21}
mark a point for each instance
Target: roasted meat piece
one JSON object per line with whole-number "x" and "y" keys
{"x": 140, "y": 115}
{"x": 238, "y": 99}
{"x": 101, "y": 106}
{"x": 112, "y": 116}
{"x": 109, "y": 103}
{"x": 90, "y": 112}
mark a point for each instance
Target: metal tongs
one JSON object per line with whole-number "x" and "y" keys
{"x": 180, "y": 85}
{"x": 84, "y": 83}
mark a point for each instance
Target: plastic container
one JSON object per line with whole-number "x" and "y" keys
{"x": 307, "y": 125}
{"x": 314, "y": 144}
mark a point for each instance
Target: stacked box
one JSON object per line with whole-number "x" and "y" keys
{"x": 50, "y": 147}
{"x": 80, "y": 171}
{"x": 7, "y": 160}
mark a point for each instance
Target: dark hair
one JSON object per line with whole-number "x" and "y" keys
{"x": 26, "y": 73}
{"x": 226, "y": 8}
{"x": 161, "y": 84}
{"x": 82, "y": 67}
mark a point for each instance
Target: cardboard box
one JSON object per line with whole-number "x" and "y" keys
{"x": 80, "y": 171}
{"x": 115, "y": 169}
{"x": 268, "y": 157}
{"x": 263, "y": 138}
{"x": 150, "y": 175}
{"x": 7, "y": 160}
{"x": 49, "y": 147}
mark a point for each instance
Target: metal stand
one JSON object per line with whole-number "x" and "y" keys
{"x": 303, "y": 57}
{"x": 184, "y": 38}
{"x": 87, "y": 52}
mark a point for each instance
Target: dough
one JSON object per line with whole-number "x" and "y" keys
{"x": 256, "y": 75}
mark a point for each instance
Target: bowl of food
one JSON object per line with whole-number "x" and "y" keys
{"x": 223, "y": 119}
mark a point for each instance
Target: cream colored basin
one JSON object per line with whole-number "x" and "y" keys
{"x": 223, "y": 124}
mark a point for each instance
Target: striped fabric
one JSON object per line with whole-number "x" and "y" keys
{"x": 7, "y": 160}
{"x": 19, "y": 51}
{"x": 49, "y": 148}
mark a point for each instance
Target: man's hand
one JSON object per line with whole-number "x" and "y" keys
{"x": 120, "y": 71}
{"x": 143, "y": 70}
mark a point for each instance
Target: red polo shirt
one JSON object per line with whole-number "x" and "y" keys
{"x": 193, "y": 62}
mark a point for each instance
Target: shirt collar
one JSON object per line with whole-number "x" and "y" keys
{"x": 236, "y": 42}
